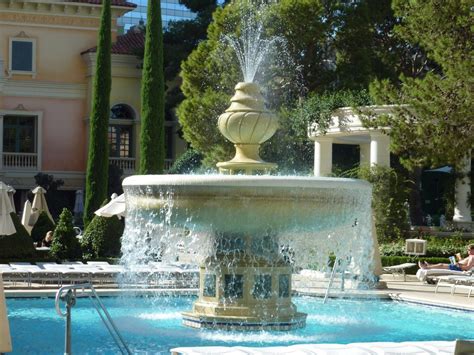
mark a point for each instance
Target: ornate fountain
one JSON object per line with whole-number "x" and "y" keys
{"x": 246, "y": 231}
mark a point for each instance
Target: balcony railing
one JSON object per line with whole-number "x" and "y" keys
{"x": 126, "y": 164}
{"x": 23, "y": 161}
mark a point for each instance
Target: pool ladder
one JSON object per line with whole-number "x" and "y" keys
{"x": 343, "y": 265}
{"x": 68, "y": 295}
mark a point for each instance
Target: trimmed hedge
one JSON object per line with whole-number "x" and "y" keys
{"x": 18, "y": 245}
{"x": 435, "y": 247}
{"x": 65, "y": 244}
{"x": 42, "y": 226}
{"x": 102, "y": 237}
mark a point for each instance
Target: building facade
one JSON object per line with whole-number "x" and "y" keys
{"x": 171, "y": 10}
{"x": 47, "y": 64}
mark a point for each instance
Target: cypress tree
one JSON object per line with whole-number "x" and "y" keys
{"x": 97, "y": 162}
{"x": 152, "y": 146}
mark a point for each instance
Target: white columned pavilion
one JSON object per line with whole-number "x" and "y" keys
{"x": 462, "y": 209}
{"x": 346, "y": 128}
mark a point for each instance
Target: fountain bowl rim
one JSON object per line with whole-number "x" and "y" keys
{"x": 266, "y": 181}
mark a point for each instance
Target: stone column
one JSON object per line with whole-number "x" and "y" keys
{"x": 323, "y": 156}
{"x": 364, "y": 154}
{"x": 462, "y": 210}
{"x": 379, "y": 149}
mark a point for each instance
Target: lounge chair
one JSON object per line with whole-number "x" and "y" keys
{"x": 453, "y": 282}
{"x": 428, "y": 275}
{"x": 399, "y": 269}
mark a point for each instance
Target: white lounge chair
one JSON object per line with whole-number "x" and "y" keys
{"x": 453, "y": 282}
{"x": 399, "y": 269}
{"x": 426, "y": 275}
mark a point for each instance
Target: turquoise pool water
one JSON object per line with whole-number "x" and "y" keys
{"x": 153, "y": 325}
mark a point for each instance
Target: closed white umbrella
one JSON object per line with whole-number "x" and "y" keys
{"x": 116, "y": 207}
{"x": 11, "y": 192}
{"x": 79, "y": 202}
{"x": 6, "y": 224}
{"x": 39, "y": 204}
{"x": 26, "y": 215}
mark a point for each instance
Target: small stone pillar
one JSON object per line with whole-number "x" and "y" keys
{"x": 5, "y": 340}
{"x": 462, "y": 210}
{"x": 364, "y": 154}
{"x": 323, "y": 156}
{"x": 379, "y": 149}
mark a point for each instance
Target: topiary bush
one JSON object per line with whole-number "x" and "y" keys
{"x": 102, "y": 237}
{"x": 42, "y": 226}
{"x": 65, "y": 244}
{"x": 18, "y": 245}
{"x": 187, "y": 163}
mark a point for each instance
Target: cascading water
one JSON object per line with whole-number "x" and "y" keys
{"x": 247, "y": 233}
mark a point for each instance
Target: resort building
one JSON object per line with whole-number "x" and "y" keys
{"x": 47, "y": 62}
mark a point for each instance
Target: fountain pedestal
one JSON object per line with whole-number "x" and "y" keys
{"x": 245, "y": 285}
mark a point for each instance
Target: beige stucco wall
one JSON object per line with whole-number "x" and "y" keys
{"x": 57, "y": 52}
{"x": 63, "y": 131}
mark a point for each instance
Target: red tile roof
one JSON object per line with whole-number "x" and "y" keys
{"x": 122, "y": 3}
{"x": 129, "y": 43}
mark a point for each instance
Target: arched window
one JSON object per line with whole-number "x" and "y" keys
{"x": 121, "y": 131}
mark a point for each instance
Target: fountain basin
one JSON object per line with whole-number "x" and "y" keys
{"x": 243, "y": 225}
{"x": 249, "y": 204}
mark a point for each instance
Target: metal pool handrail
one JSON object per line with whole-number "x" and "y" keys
{"x": 68, "y": 295}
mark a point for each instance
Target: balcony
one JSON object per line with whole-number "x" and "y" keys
{"x": 128, "y": 165}
{"x": 20, "y": 161}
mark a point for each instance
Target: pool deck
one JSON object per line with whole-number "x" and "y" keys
{"x": 411, "y": 290}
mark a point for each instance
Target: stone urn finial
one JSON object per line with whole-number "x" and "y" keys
{"x": 247, "y": 124}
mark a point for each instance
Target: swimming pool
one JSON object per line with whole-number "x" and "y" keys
{"x": 154, "y": 325}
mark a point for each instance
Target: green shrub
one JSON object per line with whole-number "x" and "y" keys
{"x": 65, "y": 244}
{"x": 18, "y": 245}
{"x": 441, "y": 247}
{"x": 187, "y": 163}
{"x": 102, "y": 237}
{"x": 42, "y": 226}
{"x": 389, "y": 194}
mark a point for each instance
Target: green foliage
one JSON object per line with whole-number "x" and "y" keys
{"x": 435, "y": 127}
{"x": 152, "y": 136}
{"x": 187, "y": 163}
{"x": 436, "y": 246}
{"x": 18, "y": 245}
{"x": 42, "y": 226}
{"x": 65, "y": 244}
{"x": 389, "y": 196}
{"x": 98, "y": 158}
{"x": 102, "y": 237}
{"x": 365, "y": 46}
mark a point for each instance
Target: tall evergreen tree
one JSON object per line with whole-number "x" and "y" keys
{"x": 436, "y": 126}
{"x": 98, "y": 159}
{"x": 152, "y": 145}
